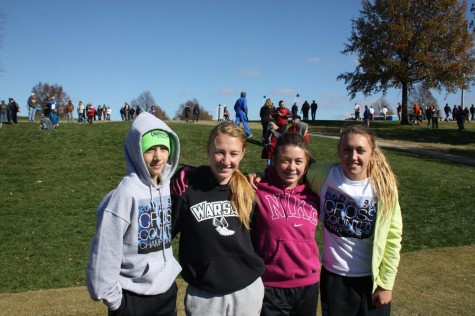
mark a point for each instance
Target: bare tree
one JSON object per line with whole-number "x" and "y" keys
{"x": 422, "y": 96}
{"x": 204, "y": 115}
{"x": 381, "y": 103}
{"x": 145, "y": 101}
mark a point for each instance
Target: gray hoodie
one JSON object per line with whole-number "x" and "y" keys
{"x": 132, "y": 246}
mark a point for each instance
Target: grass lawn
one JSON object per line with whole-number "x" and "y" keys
{"x": 52, "y": 181}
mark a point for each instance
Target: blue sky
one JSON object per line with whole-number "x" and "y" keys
{"x": 110, "y": 51}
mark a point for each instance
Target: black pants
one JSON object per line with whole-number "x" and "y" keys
{"x": 299, "y": 301}
{"x": 143, "y": 305}
{"x": 346, "y": 296}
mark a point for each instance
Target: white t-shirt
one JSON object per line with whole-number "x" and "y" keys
{"x": 348, "y": 215}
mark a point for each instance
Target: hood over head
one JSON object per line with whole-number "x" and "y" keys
{"x": 135, "y": 163}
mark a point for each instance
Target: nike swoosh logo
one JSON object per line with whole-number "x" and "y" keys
{"x": 297, "y": 225}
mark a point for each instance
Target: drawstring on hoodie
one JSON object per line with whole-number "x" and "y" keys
{"x": 162, "y": 228}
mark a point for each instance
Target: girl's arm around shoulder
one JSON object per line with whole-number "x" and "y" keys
{"x": 317, "y": 174}
{"x": 180, "y": 180}
{"x": 178, "y": 185}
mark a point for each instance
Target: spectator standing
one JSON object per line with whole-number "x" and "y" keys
{"x": 14, "y": 109}
{"x": 371, "y": 113}
{"x": 428, "y": 112}
{"x": 273, "y": 132}
{"x": 186, "y": 113}
{"x": 367, "y": 116}
{"x": 226, "y": 113}
{"x": 466, "y": 111}
{"x": 435, "y": 114}
{"x": 417, "y": 114}
{"x": 384, "y": 112}
{"x": 126, "y": 111}
{"x": 9, "y": 112}
{"x": 399, "y": 110}
{"x": 32, "y": 106}
{"x": 152, "y": 110}
{"x": 54, "y": 118}
{"x": 122, "y": 113}
{"x": 109, "y": 113}
{"x": 454, "y": 113}
{"x": 3, "y": 113}
{"x": 69, "y": 111}
{"x": 281, "y": 116}
{"x": 240, "y": 107}
{"x": 137, "y": 111}
{"x": 305, "y": 109}
{"x": 294, "y": 109}
{"x": 104, "y": 112}
{"x": 91, "y": 112}
{"x": 265, "y": 114}
{"x": 472, "y": 112}
{"x": 447, "y": 111}
{"x": 99, "y": 112}
{"x": 460, "y": 118}
{"x": 357, "y": 112}
{"x": 81, "y": 111}
{"x": 50, "y": 105}
{"x": 196, "y": 113}
{"x": 299, "y": 127}
{"x": 131, "y": 113}
{"x": 313, "y": 108}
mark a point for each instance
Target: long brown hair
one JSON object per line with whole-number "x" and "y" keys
{"x": 242, "y": 194}
{"x": 380, "y": 174}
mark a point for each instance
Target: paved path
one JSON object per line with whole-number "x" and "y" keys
{"x": 419, "y": 151}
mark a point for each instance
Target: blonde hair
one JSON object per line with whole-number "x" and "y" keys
{"x": 269, "y": 103}
{"x": 242, "y": 194}
{"x": 380, "y": 174}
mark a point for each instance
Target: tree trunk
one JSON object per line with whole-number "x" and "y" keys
{"x": 404, "y": 114}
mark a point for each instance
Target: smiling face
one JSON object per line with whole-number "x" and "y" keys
{"x": 355, "y": 153}
{"x": 225, "y": 154}
{"x": 291, "y": 163}
{"x": 156, "y": 159}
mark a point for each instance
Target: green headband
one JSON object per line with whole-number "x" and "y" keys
{"x": 155, "y": 137}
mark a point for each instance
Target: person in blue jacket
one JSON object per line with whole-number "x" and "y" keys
{"x": 53, "y": 116}
{"x": 241, "y": 113}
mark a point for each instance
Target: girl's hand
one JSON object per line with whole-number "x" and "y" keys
{"x": 254, "y": 179}
{"x": 382, "y": 297}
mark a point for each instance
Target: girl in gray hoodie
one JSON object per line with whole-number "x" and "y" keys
{"x": 131, "y": 266}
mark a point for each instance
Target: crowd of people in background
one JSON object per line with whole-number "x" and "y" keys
{"x": 50, "y": 110}
{"x": 417, "y": 114}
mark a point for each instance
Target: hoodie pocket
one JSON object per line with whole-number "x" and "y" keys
{"x": 293, "y": 259}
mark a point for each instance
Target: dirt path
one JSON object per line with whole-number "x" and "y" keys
{"x": 432, "y": 282}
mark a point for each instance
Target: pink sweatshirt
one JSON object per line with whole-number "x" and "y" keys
{"x": 283, "y": 233}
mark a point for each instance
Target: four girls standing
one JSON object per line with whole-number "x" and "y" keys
{"x": 214, "y": 210}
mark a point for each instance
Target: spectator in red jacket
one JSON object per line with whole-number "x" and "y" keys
{"x": 281, "y": 115}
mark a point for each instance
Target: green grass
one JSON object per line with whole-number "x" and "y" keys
{"x": 52, "y": 181}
